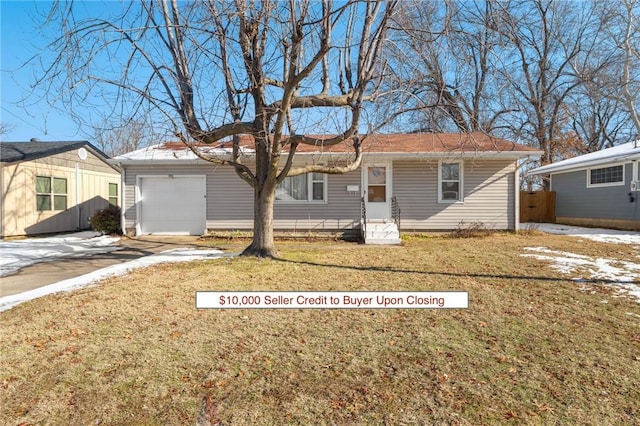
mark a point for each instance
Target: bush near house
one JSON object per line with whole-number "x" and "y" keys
{"x": 107, "y": 220}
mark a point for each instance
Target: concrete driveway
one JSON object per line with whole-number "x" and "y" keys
{"x": 44, "y": 273}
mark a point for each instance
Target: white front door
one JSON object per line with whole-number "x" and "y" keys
{"x": 377, "y": 190}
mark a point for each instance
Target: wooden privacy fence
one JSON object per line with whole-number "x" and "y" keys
{"x": 538, "y": 206}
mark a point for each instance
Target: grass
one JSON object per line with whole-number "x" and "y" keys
{"x": 532, "y": 348}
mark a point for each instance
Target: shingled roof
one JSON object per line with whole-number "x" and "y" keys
{"x": 12, "y": 152}
{"x": 396, "y": 143}
{"x": 426, "y": 143}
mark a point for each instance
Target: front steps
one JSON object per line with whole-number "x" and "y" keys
{"x": 381, "y": 232}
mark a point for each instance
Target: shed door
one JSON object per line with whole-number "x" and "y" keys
{"x": 172, "y": 205}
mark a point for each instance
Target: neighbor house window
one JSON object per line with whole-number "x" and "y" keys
{"x": 43, "y": 193}
{"x": 51, "y": 192}
{"x": 606, "y": 176}
{"x": 303, "y": 188}
{"x": 450, "y": 182}
{"x": 113, "y": 194}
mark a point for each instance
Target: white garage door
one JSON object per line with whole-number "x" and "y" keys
{"x": 172, "y": 205}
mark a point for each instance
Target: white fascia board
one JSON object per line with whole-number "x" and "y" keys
{"x": 162, "y": 162}
{"x": 440, "y": 155}
{"x": 371, "y": 155}
{"x": 583, "y": 165}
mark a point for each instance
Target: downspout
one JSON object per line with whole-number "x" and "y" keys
{"x": 3, "y": 195}
{"x": 77, "y": 200}
{"x": 122, "y": 179}
{"x": 516, "y": 188}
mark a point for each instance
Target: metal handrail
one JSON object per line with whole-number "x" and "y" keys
{"x": 395, "y": 211}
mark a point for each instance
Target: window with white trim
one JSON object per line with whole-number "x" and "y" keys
{"x": 603, "y": 176}
{"x": 307, "y": 188}
{"x": 51, "y": 191}
{"x": 450, "y": 185}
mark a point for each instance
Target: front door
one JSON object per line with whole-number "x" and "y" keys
{"x": 377, "y": 190}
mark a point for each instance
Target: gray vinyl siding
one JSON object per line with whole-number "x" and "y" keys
{"x": 221, "y": 182}
{"x": 574, "y": 199}
{"x": 230, "y": 200}
{"x": 341, "y": 211}
{"x": 488, "y": 195}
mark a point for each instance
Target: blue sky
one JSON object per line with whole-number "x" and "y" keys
{"x": 25, "y": 112}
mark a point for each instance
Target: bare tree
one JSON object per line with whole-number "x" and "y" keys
{"x": 443, "y": 60}
{"x": 118, "y": 139}
{"x": 598, "y": 121}
{"x": 5, "y": 128}
{"x": 541, "y": 38}
{"x": 630, "y": 82}
{"x": 613, "y": 70}
{"x": 600, "y": 116}
{"x": 217, "y": 70}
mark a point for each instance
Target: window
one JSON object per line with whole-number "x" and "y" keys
{"x": 113, "y": 194}
{"x": 51, "y": 189}
{"x": 450, "y": 182}
{"x": 376, "y": 184}
{"x": 606, "y": 176}
{"x": 303, "y": 188}
{"x": 43, "y": 193}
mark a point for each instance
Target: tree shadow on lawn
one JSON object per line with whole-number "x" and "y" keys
{"x": 450, "y": 274}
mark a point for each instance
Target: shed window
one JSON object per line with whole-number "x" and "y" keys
{"x": 450, "y": 182}
{"x": 113, "y": 194}
{"x": 51, "y": 192}
{"x": 43, "y": 193}
{"x": 303, "y": 188}
{"x": 606, "y": 176}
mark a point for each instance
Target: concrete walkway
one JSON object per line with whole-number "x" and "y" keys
{"x": 45, "y": 273}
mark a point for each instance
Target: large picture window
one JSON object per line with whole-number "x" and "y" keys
{"x": 450, "y": 185}
{"x": 51, "y": 193}
{"x": 303, "y": 188}
{"x": 606, "y": 176}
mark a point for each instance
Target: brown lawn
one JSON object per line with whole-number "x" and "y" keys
{"x": 533, "y": 348}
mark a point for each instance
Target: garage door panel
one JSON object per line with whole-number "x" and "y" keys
{"x": 173, "y": 205}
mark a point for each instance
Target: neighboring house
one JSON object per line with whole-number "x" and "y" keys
{"x": 52, "y": 187}
{"x": 597, "y": 189}
{"x": 436, "y": 180}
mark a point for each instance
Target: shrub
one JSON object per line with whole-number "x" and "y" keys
{"x": 107, "y": 220}
{"x": 472, "y": 230}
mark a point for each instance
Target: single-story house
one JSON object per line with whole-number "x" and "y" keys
{"x": 50, "y": 187}
{"x": 597, "y": 189}
{"x": 435, "y": 182}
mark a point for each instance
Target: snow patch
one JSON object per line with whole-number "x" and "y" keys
{"x": 169, "y": 256}
{"x": 595, "y": 234}
{"x": 16, "y": 254}
{"x": 618, "y": 273}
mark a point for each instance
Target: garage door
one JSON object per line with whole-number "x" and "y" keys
{"x": 172, "y": 205}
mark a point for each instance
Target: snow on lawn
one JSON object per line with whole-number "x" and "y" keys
{"x": 169, "y": 256}
{"x": 596, "y": 234}
{"x": 16, "y": 254}
{"x": 617, "y": 273}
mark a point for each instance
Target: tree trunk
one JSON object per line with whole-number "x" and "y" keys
{"x": 263, "y": 244}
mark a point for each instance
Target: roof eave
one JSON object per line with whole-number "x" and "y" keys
{"x": 553, "y": 168}
{"x": 458, "y": 154}
{"x": 386, "y": 155}
{"x": 72, "y": 146}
